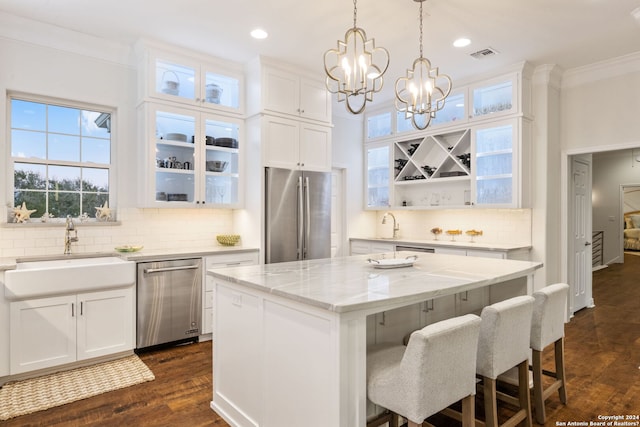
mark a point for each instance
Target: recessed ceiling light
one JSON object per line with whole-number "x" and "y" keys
{"x": 462, "y": 42}
{"x": 259, "y": 34}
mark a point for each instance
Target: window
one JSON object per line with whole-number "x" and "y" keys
{"x": 61, "y": 156}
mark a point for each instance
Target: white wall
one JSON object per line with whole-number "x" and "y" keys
{"x": 600, "y": 104}
{"x": 347, "y": 152}
{"x": 90, "y": 70}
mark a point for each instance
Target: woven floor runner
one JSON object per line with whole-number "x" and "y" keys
{"x": 36, "y": 394}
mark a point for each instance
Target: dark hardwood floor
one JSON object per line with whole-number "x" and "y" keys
{"x": 602, "y": 353}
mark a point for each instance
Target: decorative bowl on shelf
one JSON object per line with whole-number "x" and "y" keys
{"x": 176, "y": 137}
{"x": 228, "y": 239}
{"x": 128, "y": 248}
{"x": 216, "y": 165}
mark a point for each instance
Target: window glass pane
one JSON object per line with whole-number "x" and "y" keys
{"x": 96, "y": 150}
{"x": 62, "y": 204}
{"x": 95, "y": 180}
{"x": 96, "y": 124}
{"x": 33, "y": 199}
{"x": 64, "y": 147}
{"x": 64, "y": 178}
{"x": 28, "y": 115}
{"x": 28, "y": 144}
{"x": 90, "y": 201}
{"x": 28, "y": 176}
{"x": 64, "y": 120}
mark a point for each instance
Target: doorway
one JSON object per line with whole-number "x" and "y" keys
{"x": 576, "y": 270}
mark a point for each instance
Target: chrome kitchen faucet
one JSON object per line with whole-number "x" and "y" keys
{"x": 396, "y": 226}
{"x": 67, "y": 235}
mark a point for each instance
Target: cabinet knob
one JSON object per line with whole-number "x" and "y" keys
{"x": 302, "y": 111}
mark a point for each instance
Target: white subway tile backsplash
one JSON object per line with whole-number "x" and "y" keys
{"x": 508, "y": 226}
{"x": 153, "y": 228}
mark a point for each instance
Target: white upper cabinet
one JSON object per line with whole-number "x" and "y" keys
{"x": 193, "y": 80}
{"x": 377, "y": 170}
{"x": 475, "y": 152}
{"x": 191, "y": 158}
{"x": 291, "y": 115}
{"x": 293, "y": 144}
{"x": 497, "y": 162}
{"x": 275, "y": 89}
{"x": 493, "y": 98}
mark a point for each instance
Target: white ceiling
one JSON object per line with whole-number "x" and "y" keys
{"x": 569, "y": 33}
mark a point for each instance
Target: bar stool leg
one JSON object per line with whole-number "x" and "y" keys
{"x": 469, "y": 411}
{"x": 538, "y": 397}
{"x": 523, "y": 390}
{"x": 490, "y": 402}
{"x": 559, "y": 353}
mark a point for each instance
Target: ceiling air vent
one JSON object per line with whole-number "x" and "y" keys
{"x": 484, "y": 53}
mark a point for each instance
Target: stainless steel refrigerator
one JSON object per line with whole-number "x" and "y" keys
{"x": 298, "y": 215}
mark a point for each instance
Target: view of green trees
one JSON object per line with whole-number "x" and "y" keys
{"x": 58, "y": 197}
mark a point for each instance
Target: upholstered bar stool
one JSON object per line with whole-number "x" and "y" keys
{"x": 436, "y": 369}
{"x": 502, "y": 345}
{"x": 547, "y": 327}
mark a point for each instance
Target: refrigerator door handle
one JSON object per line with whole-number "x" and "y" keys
{"x": 307, "y": 220}
{"x": 300, "y": 217}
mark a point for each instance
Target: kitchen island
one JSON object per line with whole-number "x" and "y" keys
{"x": 290, "y": 338}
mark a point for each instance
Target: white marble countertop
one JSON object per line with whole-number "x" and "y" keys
{"x": 143, "y": 255}
{"x": 351, "y": 283}
{"x": 461, "y": 242}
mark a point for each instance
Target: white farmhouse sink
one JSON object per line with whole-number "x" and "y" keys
{"x": 34, "y": 279}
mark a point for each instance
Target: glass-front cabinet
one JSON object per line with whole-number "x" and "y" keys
{"x": 493, "y": 98}
{"x": 192, "y": 158}
{"x": 193, "y": 81}
{"x": 475, "y": 152}
{"x": 496, "y": 169}
{"x": 378, "y": 181}
{"x": 453, "y": 112}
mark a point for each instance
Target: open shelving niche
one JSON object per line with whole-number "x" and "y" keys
{"x": 433, "y": 170}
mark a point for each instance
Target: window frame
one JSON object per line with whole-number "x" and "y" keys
{"x": 11, "y": 161}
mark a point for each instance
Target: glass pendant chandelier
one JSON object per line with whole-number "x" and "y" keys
{"x": 423, "y": 91}
{"x": 355, "y": 68}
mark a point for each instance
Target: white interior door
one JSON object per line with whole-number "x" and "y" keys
{"x": 580, "y": 224}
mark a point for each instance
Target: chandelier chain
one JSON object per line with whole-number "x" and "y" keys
{"x": 355, "y": 13}
{"x": 421, "y": 56}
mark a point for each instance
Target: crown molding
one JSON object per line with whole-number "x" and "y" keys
{"x": 17, "y": 28}
{"x": 603, "y": 70}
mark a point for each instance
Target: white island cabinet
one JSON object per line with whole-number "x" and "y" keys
{"x": 291, "y": 338}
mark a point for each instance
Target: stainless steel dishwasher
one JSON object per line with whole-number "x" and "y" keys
{"x": 169, "y": 301}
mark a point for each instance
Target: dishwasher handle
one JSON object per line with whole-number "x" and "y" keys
{"x": 160, "y": 270}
